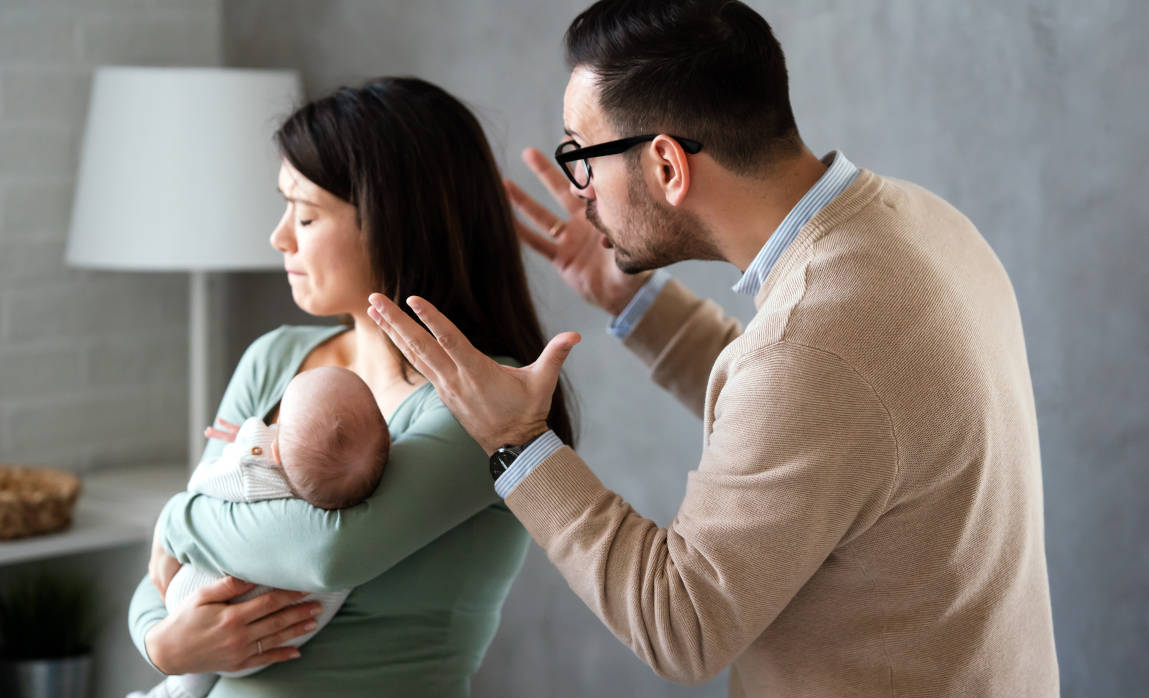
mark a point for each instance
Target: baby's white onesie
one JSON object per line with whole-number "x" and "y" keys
{"x": 244, "y": 472}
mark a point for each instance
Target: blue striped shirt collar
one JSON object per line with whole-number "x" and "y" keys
{"x": 833, "y": 182}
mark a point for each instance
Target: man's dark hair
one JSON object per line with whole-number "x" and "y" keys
{"x": 709, "y": 70}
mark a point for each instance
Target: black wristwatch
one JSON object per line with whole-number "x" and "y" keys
{"x": 503, "y": 456}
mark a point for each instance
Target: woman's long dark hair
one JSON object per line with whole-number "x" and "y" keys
{"x": 417, "y": 167}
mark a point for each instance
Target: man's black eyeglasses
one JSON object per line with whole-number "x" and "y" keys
{"x": 573, "y": 159}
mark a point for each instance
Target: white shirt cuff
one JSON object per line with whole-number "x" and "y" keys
{"x": 539, "y": 450}
{"x": 622, "y": 325}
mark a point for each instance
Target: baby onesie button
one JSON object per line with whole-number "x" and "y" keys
{"x": 256, "y": 451}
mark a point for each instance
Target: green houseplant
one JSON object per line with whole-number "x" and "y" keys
{"x": 48, "y": 626}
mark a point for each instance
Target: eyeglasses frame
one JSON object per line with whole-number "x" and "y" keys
{"x": 609, "y": 148}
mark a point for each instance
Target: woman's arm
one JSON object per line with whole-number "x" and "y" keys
{"x": 147, "y": 606}
{"x": 147, "y": 609}
{"x": 436, "y": 478}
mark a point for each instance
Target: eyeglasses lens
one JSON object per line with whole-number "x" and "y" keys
{"x": 577, "y": 170}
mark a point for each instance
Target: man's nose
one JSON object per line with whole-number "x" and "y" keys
{"x": 586, "y": 192}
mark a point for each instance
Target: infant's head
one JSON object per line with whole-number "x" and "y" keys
{"x": 332, "y": 439}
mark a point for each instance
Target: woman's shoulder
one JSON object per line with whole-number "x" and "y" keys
{"x": 288, "y": 342}
{"x": 270, "y": 361}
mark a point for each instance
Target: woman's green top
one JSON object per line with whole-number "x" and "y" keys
{"x": 430, "y": 556}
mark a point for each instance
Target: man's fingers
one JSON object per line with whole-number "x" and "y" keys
{"x": 550, "y": 362}
{"x": 556, "y": 182}
{"x": 539, "y": 243}
{"x": 420, "y": 348}
{"x": 458, "y": 348}
{"x": 537, "y": 213}
{"x": 401, "y": 344}
{"x": 226, "y": 424}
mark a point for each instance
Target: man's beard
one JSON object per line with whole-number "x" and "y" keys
{"x": 659, "y": 235}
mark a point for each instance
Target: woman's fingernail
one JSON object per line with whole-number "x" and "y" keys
{"x": 294, "y": 655}
{"x": 316, "y": 610}
{"x": 310, "y": 626}
{"x": 415, "y": 305}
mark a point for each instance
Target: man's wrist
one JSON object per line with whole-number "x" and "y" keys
{"x": 519, "y": 437}
{"x": 631, "y": 315}
{"x": 531, "y": 456}
{"x": 626, "y": 291}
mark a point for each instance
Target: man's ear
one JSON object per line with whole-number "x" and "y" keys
{"x": 673, "y": 169}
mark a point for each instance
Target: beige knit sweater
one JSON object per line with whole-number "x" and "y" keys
{"x": 866, "y": 518}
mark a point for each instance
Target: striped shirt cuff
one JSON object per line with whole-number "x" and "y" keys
{"x": 539, "y": 450}
{"x": 622, "y": 325}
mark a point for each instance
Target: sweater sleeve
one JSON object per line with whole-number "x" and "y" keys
{"x": 800, "y": 457}
{"x": 679, "y": 338}
{"x": 436, "y": 478}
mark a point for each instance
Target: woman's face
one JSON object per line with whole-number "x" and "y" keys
{"x": 323, "y": 248}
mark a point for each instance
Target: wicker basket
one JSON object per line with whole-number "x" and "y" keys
{"x": 35, "y": 500}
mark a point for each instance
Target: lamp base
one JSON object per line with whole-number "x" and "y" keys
{"x": 199, "y": 356}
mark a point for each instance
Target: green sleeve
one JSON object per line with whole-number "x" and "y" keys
{"x": 146, "y": 609}
{"x": 239, "y": 400}
{"x": 436, "y": 478}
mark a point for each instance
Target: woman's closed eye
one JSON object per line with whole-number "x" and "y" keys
{"x": 306, "y": 222}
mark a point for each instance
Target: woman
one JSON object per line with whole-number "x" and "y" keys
{"x": 389, "y": 187}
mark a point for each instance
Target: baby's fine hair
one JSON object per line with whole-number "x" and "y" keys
{"x": 337, "y": 447}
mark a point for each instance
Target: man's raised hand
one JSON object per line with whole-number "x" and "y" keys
{"x": 573, "y": 246}
{"x": 496, "y": 404}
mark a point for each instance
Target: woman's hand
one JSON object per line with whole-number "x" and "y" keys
{"x": 206, "y": 634}
{"x": 161, "y": 567}
{"x": 573, "y": 246}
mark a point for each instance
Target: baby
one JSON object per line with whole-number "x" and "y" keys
{"x": 328, "y": 448}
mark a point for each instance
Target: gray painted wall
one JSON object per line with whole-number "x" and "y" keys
{"x": 1028, "y": 116}
{"x": 93, "y": 367}
{"x": 93, "y": 370}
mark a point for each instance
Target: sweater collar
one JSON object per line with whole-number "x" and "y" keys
{"x": 857, "y": 195}
{"x": 833, "y": 182}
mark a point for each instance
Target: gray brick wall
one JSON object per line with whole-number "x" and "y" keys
{"x": 92, "y": 364}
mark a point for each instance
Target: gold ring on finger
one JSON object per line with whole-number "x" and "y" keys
{"x": 556, "y": 228}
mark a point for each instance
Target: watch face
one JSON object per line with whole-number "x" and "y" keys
{"x": 500, "y": 461}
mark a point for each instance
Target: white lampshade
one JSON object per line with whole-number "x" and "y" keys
{"x": 178, "y": 169}
{"x": 177, "y": 173}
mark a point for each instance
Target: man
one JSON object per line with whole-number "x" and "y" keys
{"x": 866, "y": 518}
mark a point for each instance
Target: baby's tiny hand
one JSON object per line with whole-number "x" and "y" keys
{"x": 224, "y": 431}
